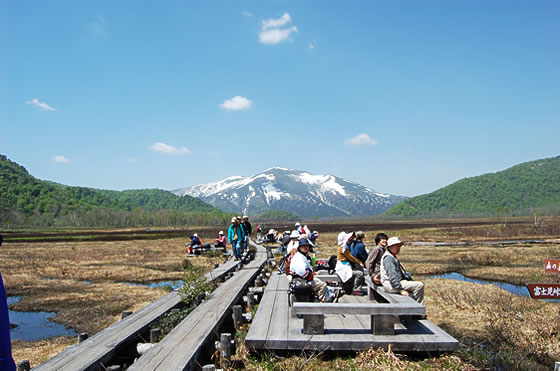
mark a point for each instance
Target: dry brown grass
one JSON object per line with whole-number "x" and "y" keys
{"x": 495, "y": 328}
{"x": 50, "y": 278}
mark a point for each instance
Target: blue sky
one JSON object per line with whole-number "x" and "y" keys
{"x": 403, "y": 97}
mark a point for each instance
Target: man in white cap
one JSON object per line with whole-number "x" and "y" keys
{"x": 394, "y": 278}
{"x": 301, "y": 268}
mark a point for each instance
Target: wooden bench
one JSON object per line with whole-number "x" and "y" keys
{"x": 383, "y": 315}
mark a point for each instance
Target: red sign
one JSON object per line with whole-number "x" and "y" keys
{"x": 544, "y": 290}
{"x": 552, "y": 265}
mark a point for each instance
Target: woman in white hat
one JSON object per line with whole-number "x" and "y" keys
{"x": 352, "y": 281}
{"x": 394, "y": 278}
{"x": 221, "y": 240}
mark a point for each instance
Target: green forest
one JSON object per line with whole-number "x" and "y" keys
{"x": 26, "y": 200}
{"x": 520, "y": 190}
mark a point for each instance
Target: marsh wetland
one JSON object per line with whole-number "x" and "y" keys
{"x": 89, "y": 283}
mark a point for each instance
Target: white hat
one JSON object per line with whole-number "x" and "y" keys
{"x": 245, "y": 217}
{"x": 234, "y": 219}
{"x": 297, "y": 224}
{"x": 196, "y": 235}
{"x": 294, "y": 234}
{"x": 221, "y": 232}
{"x": 393, "y": 241}
{"x": 343, "y": 237}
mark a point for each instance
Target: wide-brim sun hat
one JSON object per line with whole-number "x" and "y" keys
{"x": 343, "y": 237}
{"x": 304, "y": 241}
{"x": 294, "y": 234}
{"x": 234, "y": 219}
{"x": 394, "y": 241}
{"x": 221, "y": 232}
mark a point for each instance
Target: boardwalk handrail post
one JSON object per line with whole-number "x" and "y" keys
{"x": 155, "y": 333}
{"x": 237, "y": 316}
{"x": 126, "y": 313}
{"x": 24, "y": 366}
{"x": 83, "y": 336}
{"x": 251, "y": 300}
{"x": 225, "y": 350}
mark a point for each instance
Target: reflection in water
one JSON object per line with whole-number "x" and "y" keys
{"x": 173, "y": 284}
{"x": 514, "y": 289}
{"x": 34, "y": 325}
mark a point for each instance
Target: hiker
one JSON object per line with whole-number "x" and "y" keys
{"x": 313, "y": 237}
{"x": 300, "y": 267}
{"x": 358, "y": 249}
{"x": 299, "y": 228}
{"x": 284, "y": 240}
{"x": 235, "y": 237}
{"x": 393, "y": 277}
{"x": 194, "y": 244}
{"x": 293, "y": 242}
{"x": 221, "y": 240}
{"x": 352, "y": 280}
{"x": 373, "y": 262}
{"x": 248, "y": 229}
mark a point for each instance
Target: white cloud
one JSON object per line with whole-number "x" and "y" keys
{"x": 247, "y": 14}
{"x": 310, "y": 48}
{"x": 276, "y": 35}
{"x": 42, "y": 106}
{"x": 271, "y": 33}
{"x": 169, "y": 149}
{"x": 98, "y": 27}
{"x": 275, "y": 23}
{"x": 360, "y": 139}
{"x": 237, "y": 103}
{"x": 61, "y": 159}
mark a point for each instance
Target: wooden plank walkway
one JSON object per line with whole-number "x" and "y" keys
{"x": 180, "y": 348}
{"x": 274, "y": 328}
{"x": 94, "y": 352}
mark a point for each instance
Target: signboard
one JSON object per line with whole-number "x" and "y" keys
{"x": 544, "y": 290}
{"x": 552, "y": 265}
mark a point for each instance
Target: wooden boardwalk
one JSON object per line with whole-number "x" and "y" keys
{"x": 95, "y": 352}
{"x": 180, "y": 348}
{"x": 274, "y": 328}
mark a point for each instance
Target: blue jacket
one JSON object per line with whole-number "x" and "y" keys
{"x": 358, "y": 250}
{"x": 240, "y": 233}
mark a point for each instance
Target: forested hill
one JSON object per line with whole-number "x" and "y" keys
{"x": 25, "y": 199}
{"x": 517, "y": 190}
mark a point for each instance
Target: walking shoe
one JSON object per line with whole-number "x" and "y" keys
{"x": 357, "y": 293}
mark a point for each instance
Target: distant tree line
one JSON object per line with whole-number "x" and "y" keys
{"x": 527, "y": 186}
{"x": 25, "y": 200}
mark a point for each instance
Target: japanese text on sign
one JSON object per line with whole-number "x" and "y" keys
{"x": 552, "y": 265}
{"x": 544, "y": 290}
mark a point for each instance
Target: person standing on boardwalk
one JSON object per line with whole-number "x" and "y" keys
{"x": 235, "y": 237}
{"x": 373, "y": 262}
{"x": 393, "y": 277}
{"x": 248, "y": 229}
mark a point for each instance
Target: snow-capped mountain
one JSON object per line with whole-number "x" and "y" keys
{"x": 292, "y": 190}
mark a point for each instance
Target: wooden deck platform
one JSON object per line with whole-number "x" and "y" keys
{"x": 274, "y": 328}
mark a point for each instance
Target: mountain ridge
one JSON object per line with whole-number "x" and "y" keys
{"x": 532, "y": 184}
{"x": 293, "y": 190}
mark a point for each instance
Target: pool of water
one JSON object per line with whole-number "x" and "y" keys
{"x": 34, "y": 325}
{"x": 514, "y": 289}
{"x": 173, "y": 284}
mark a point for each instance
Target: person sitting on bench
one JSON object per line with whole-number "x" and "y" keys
{"x": 301, "y": 268}
{"x": 194, "y": 244}
{"x": 393, "y": 277}
{"x": 373, "y": 262}
{"x": 352, "y": 280}
{"x": 221, "y": 240}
